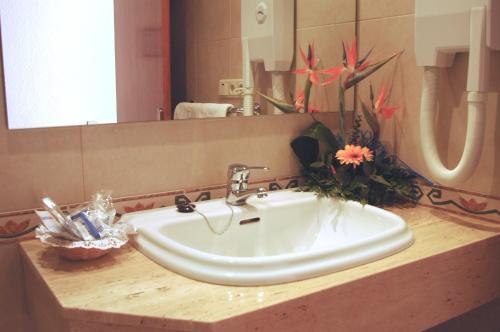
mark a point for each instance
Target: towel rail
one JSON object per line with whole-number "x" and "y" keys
{"x": 238, "y": 111}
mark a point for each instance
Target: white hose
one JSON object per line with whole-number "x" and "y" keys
{"x": 473, "y": 140}
{"x": 248, "y": 82}
{"x": 278, "y": 83}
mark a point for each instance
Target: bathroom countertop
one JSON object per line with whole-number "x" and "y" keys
{"x": 452, "y": 267}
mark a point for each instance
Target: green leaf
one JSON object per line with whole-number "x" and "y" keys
{"x": 328, "y": 158}
{"x": 368, "y": 167}
{"x": 323, "y": 134}
{"x": 380, "y": 179}
{"x": 306, "y": 149}
{"x": 342, "y": 112}
{"x": 279, "y": 104}
{"x": 361, "y": 61}
{"x": 372, "y": 96}
{"x": 344, "y": 175}
{"x": 359, "y": 76}
{"x": 317, "y": 164}
{"x": 307, "y": 94}
{"x": 371, "y": 119}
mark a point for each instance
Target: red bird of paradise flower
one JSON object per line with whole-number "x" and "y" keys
{"x": 311, "y": 62}
{"x": 299, "y": 103}
{"x": 357, "y": 70}
{"x": 379, "y": 106}
{"x": 350, "y": 63}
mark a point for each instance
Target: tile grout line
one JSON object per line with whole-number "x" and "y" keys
{"x": 327, "y": 25}
{"x": 83, "y": 164}
{"x": 385, "y": 17}
{"x": 358, "y": 41}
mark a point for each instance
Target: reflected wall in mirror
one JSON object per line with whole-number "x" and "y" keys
{"x": 211, "y": 33}
{"x": 131, "y": 73}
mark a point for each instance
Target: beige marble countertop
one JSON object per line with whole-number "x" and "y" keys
{"x": 127, "y": 288}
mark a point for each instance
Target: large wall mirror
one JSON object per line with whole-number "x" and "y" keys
{"x": 76, "y": 62}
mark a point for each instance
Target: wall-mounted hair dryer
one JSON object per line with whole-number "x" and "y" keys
{"x": 443, "y": 28}
{"x": 266, "y": 36}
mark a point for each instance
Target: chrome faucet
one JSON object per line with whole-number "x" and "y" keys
{"x": 237, "y": 184}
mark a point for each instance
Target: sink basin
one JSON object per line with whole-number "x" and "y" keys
{"x": 284, "y": 237}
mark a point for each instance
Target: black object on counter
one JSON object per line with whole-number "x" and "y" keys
{"x": 186, "y": 207}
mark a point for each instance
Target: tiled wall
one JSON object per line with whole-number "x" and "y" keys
{"x": 137, "y": 158}
{"x": 389, "y": 26}
{"x": 214, "y": 46}
{"x": 71, "y": 163}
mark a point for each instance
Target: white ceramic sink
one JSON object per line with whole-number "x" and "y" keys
{"x": 284, "y": 237}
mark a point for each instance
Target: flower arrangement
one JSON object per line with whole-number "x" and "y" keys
{"x": 351, "y": 164}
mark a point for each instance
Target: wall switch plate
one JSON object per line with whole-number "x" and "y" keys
{"x": 231, "y": 87}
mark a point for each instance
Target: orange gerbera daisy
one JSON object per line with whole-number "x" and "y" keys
{"x": 353, "y": 154}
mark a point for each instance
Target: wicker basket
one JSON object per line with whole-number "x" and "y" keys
{"x": 81, "y": 254}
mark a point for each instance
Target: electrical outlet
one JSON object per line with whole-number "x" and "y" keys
{"x": 230, "y": 87}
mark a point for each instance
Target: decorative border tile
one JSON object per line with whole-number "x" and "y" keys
{"x": 484, "y": 207}
{"x": 20, "y": 224}
{"x": 17, "y": 225}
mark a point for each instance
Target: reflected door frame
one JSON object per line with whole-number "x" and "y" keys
{"x": 167, "y": 98}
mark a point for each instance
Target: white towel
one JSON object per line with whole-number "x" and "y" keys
{"x": 200, "y": 110}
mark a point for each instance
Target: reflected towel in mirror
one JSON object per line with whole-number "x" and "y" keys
{"x": 201, "y": 110}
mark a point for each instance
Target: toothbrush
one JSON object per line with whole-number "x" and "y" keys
{"x": 90, "y": 226}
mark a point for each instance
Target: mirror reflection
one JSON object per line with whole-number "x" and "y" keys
{"x": 73, "y": 62}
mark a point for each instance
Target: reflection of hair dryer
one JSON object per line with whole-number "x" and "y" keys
{"x": 443, "y": 28}
{"x": 267, "y": 36}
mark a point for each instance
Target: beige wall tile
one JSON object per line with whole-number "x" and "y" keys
{"x": 191, "y": 72}
{"x": 212, "y": 65}
{"x": 235, "y": 19}
{"x": 38, "y": 161}
{"x": 324, "y": 12}
{"x": 403, "y": 133}
{"x": 152, "y": 157}
{"x": 191, "y": 21}
{"x": 212, "y": 20}
{"x": 370, "y": 9}
{"x": 235, "y": 63}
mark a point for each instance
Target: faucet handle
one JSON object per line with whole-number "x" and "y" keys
{"x": 234, "y": 168}
{"x": 241, "y": 172}
{"x": 263, "y": 168}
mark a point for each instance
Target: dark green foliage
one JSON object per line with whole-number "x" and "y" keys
{"x": 379, "y": 182}
{"x": 306, "y": 148}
